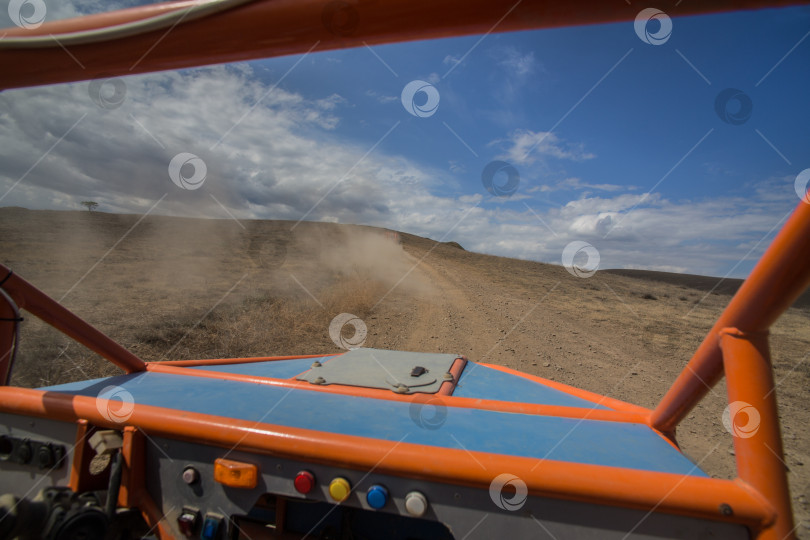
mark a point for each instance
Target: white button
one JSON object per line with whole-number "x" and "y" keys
{"x": 415, "y": 503}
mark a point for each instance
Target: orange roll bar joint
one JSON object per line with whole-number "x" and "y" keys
{"x": 779, "y": 277}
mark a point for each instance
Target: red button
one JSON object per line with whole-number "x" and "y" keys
{"x": 304, "y": 482}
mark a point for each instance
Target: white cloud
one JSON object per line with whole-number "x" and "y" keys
{"x": 330, "y": 103}
{"x": 381, "y": 98}
{"x": 515, "y": 79}
{"x": 525, "y": 147}
{"x": 283, "y": 161}
{"x": 619, "y": 203}
{"x": 61, "y": 9}
{"x": 456, "y": 167}
{"x": 574, "y": 183}
{"x": 269, "y": 162}
{"x": 517, "y": 63}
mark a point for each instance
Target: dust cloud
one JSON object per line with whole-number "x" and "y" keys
{"x": 241, "y": 288}
{"x": 371, "y": 254}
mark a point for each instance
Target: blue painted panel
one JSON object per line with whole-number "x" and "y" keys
{"x": 612, "y": 444}
{"x": 278, "y": 369}
{"x": 481, "y": 382}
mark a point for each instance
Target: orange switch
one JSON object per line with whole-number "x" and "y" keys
{"x": 236, "y": 474}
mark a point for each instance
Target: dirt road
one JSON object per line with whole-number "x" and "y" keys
{"x": 621, "y": 337}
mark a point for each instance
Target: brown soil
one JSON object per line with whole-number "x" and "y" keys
{"x": 181, "y": 288}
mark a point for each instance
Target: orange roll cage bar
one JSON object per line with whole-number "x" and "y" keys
{"x": 267, "y": 28}
{"x": 737, "y": 345}
{"x": 28, "y": 297}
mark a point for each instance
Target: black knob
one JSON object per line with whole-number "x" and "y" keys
{"x": 44, "y": 457}
{"x": 24, "y": 452}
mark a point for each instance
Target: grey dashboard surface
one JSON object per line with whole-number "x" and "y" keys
{"x": 398, "y": 371}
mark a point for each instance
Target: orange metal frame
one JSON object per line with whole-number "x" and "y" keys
{"x": 684, "y": 495}
{"x": 265, "y": 28}
{"x": 736, "y": 346}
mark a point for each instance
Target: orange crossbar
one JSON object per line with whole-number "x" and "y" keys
{"x": 737, "y": 345}
{"x": 780, "y": 276}
{"x": 694, "y": 496}
{"x": 228, "y": 361}
{"x": 267, "y": 28}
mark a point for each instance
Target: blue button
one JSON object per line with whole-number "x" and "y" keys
{"x": 377, "y": 496}
{"x": 210, "y": 528}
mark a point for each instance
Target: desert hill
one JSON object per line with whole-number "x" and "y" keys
{"x": 173, "y": 288}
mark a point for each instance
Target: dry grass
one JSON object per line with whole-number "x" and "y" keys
{"x": 262, "y": 323}
{"x": 251, "y": 327}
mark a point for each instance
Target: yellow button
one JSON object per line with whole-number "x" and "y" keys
{"x": 339, "y": 489}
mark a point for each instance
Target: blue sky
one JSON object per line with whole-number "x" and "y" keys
{"x": 617, "y": 142}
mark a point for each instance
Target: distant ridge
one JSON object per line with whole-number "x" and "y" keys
{"x": 727, "y": 286}
{"x": 11, "y": 216}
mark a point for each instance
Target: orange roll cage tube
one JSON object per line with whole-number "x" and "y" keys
{"x": 736, "y": 345}
{"x": 31, "y": 299}
{"x": 266, "y": 28}
{"x": 133, "y": 493}
{"x": 779, "y": 277}
{"x": 671, "y": 493}
{"x": 760, "y": 461}
{"x": 226, "y": 361}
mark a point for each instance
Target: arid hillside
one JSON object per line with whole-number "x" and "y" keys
{"x": 172, "y": 288}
